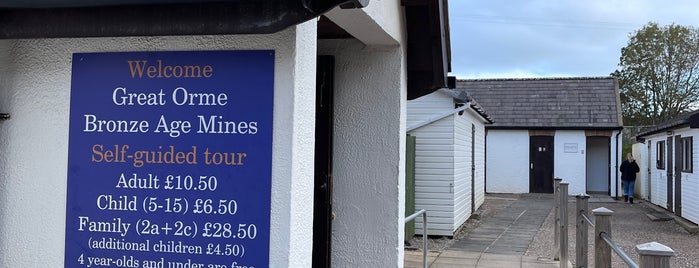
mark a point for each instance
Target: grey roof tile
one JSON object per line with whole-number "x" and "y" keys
{"x": 548, "y": 102}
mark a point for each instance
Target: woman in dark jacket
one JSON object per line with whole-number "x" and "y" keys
{"x": 628, "y": 169}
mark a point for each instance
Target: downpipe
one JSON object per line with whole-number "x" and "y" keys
{"x": 616, "y": 167}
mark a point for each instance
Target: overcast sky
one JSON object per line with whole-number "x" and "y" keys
{"x": 551, "y": 38}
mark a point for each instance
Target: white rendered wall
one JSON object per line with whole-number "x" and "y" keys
{"x": 369, "y": 152}
{"x": 379, "y": 24}
{"x": 571, "y": 167}
{"x": 35, "y": 88}
{"x": 370, "y": 121}
{"x": 507, "y": 161}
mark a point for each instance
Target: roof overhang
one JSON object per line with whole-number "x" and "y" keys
{"x": 693, "y": 121}
{"x": 429, "y": 56}
{"x": 427, "y": 23}
{"x": 113, "y": 18}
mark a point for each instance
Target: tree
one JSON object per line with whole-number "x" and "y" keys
{"x": 659, "y": 73}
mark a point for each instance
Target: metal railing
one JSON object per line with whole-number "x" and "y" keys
{"x": 652, "y": 255}
{"x": 581, "y": 237}
{"x": 618, "y": 250}
{"x": 424, "y": 232}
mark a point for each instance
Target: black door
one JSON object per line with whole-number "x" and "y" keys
{"x": 322, "y": 203}
{"x": 668, "y": 167}
{"x": 541, "y": 164}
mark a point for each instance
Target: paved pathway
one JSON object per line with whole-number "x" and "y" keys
{"x": 509, "y": 231}
{"x": 499, "y": 241}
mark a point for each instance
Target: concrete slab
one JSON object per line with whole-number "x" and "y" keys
{"x": 658, "y": 216}
{"x": 689, "y": 226}
{"x": 413, "y": 258}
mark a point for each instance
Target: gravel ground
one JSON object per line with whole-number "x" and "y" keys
{"x": 630, "y": 227}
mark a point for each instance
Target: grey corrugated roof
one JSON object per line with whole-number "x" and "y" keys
{"x": 571, "y": 103}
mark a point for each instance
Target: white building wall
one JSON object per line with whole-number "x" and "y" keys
{"x": 369, "y": 153}
{"x": 571, "y": 167}
{"x": 443, "y": 162}
{"x": 480, "y": 164}
{"x": 435, "y": 184}
{"x": 426, "y": 107}
{"x": 658, "y": 177}
{"x": 434, "y": 175}
{"x": 616, "y": 157}
{"x": 640, "y": 153}
{"x": 462, "y": 168}
{"x": 690, "y": 181}
{"x": 464, "y": 125}
{"x": 507, "y": 158}
{"x": 35, "y": 80}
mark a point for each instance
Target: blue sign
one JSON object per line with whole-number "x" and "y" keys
{"x": 170, "y": 158}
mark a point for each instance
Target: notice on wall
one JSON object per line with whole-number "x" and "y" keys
{"x": 570, "y": 147}
{"x": 170, "y": 157}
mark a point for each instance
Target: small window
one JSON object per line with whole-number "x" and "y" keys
{"x": 660, "y": 155}
{"x": 687, "y": 158}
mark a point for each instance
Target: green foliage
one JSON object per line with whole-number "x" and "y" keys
{"x": 659, "y": 73}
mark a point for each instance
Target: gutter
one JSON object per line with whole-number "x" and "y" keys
{"x": 552, "y": 128}
{"x": 437, "y": 117}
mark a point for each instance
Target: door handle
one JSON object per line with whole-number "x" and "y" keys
{"x": 531, "y": 165}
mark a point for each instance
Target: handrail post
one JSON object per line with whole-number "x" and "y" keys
{"x": 603, "y": 224}
{"x": 581, "y": 204}
{"x": 654, "y": 255}
{"x": 556, "y": 231}
{"x": 424, "y": 239}
{"x": 563, "y": 259}
{"x": 424, "y": 232}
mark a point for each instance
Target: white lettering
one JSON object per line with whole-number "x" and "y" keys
{"x": 121, "y": 97}
{"x": 180, "y": 96}
{"x": 92, "y": 124}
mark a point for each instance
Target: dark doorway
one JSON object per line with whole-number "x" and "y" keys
{"x": 668, "y": 167}
{"x": 541, "y": 164}
{"x": 597, "y": 164}
{"x": 678, "y": 175}
{"x": 322, "y": 202}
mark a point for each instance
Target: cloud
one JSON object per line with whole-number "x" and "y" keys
{"x": 551, "y": 38}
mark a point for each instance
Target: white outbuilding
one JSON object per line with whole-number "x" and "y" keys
{"x": 449, "y": 129}
{"x": 665, "y": 153}
{"x": 550, "y": 127}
